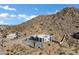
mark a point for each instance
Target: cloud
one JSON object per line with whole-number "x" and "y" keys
{"x": 53, "y": 12}
{"x": 2, "y": 22}
{"x": 7, "y": 8}
{"x": 6, "y": 16}
{"x": 26, "y": 17}
{"x": 56, "y": 11}
{"x": 36, "y": 9}
{"x": 12, "y": 15}
{"x": 22, "y": 15}
{"x": 30, "y": 17}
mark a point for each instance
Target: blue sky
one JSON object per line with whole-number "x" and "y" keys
{"x": 13, "y": 14}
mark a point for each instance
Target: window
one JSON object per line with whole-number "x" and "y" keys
{"x": 40, "y": 39}
{"x": 39, "y": 47}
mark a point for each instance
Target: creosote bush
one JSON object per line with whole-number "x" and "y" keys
{"x": 17, "y": 49}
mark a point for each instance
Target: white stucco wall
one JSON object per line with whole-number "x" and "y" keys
{"x": 11, "y": 36}
{"x": 37, "y": 44}
{"x": 45, "y": 37}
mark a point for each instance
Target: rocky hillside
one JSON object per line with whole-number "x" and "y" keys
{"x": 3, "y": 27}
{"x": 63, "y": 23}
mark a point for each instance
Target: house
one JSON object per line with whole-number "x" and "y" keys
{"x": 11, "y": 36}
{"x": 36, "y": 41}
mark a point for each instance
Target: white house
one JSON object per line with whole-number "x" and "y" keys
{"x": 11, "y": 36}
{"x": 37, "y": 41}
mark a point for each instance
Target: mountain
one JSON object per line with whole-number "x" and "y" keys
{"x": 2, "y": 27}
{"x": 65, "y": 22}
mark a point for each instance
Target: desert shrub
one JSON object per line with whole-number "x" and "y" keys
{"x": 17, "y": 49}
{"x": 51, "y": 33}
{"x": 40, "y": 53}
{"x": 71, "y": 54}
{"x": 77, "y": 26}
{"x": 25, "y": 34}
{"x": 50, "y": 29}
{"x": 62, "y": 53}
{"x": 4, "y": 35}
{"x": 41, "y": 24}
{"x": 62, "y": 18}
{"x": 32, "y": 26}
{"x": 49, "y": 44}
{"x": 17, "y": 28}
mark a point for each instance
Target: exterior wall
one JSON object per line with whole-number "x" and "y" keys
{"x": 45, "y": 37}
{"x": 30, "y": 43}
{"x": 11, "y": 36}
{"x": 38, "y": 45}
{"x": 34, "y": 43}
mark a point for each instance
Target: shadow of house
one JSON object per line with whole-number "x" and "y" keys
{"x": 75, "y": 35}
